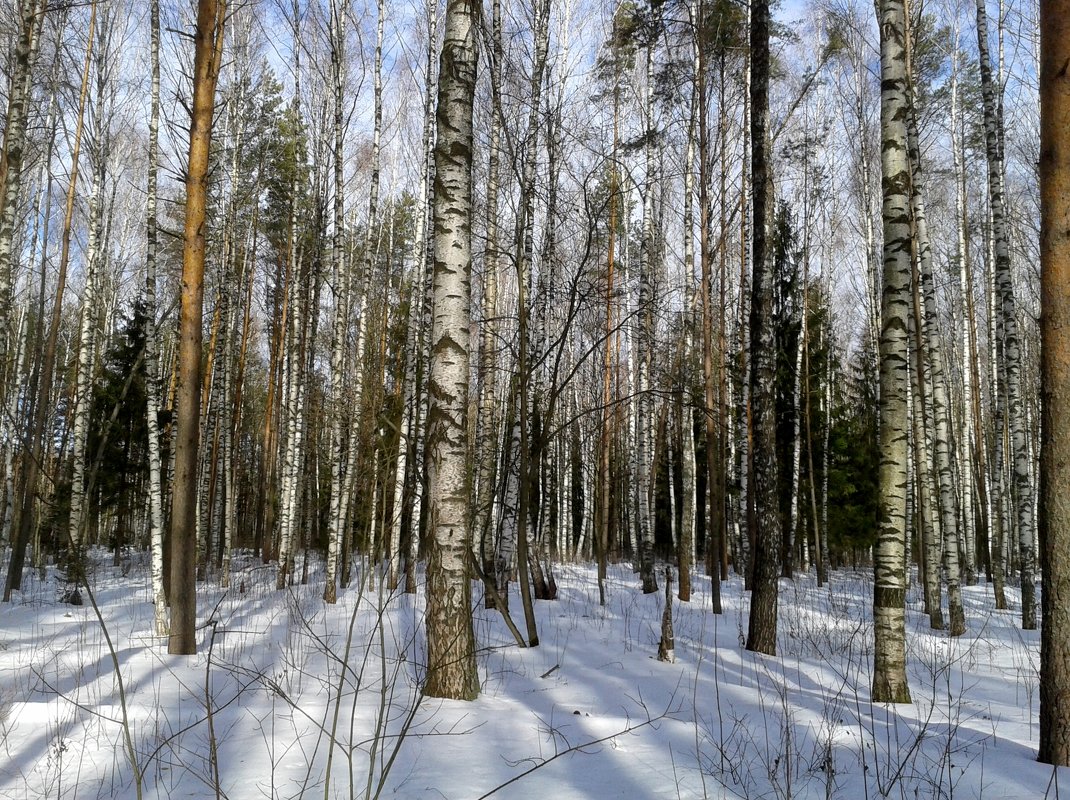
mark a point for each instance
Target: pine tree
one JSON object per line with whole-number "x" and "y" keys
{"x": 1055, "y": 376}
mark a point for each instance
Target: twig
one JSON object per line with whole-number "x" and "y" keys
{"x": 573, "y": 749}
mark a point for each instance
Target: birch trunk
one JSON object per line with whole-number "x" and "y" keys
{"x": 686, "y": 545}
{"x": 889, "y": 594}
{"x": 1011, "y": 362}
{"x": 644, "y": 348}
{"x": 42, "y": 402}
{"x": 31, "y": 16}
{"x": 152, "y": 369}
{"x": 525, "y": 242}
{"x": 451, "y": 667}
{"x": 83, "y": 381}
{"x": 940, "y": 421}
{"x": 84, "y": 370}
{"x": 972, "y": 457}
{"x": 919, "y": 412}
{"x": 408, "y": 439}
{"x": 339, "y": 285}
{"x": 488, "y": 411}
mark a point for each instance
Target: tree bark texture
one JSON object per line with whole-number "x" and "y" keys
{"x": 208, "y": 49}
{"x": 1055, "y": 377}
{"x": 761, "y": 635}
{"x": 889, "y": 592}
{"x": 1011, "y": 363}
{"x": 451, "y": 667}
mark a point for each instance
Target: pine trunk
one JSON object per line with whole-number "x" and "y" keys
{"x": 1055, "y": 375}
{"x": 208, "y": 47}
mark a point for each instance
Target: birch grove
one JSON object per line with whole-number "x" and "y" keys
{"x": 443, "y": 299}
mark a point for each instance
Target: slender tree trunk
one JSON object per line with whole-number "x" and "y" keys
{"x": 686, "y": 545}
{"x": 919, "y": 411}
{"x": 525, "y": 242}
{"x": 889, "y": 594}
{"x": 972, "y": 453}
{"x": 451, "y": 667}
{"x": 208, "y": 52}
{"x": 86, "y": 346}
{"x": 938, "y": 405}
{"x": 1011, "y": 362}
{"x": 609, "y": 367}
{"x": 152, "y": 370}
{"x": 761, "y": 634}
{"x": 31, "y": 16}
{"x": 714, "y": 499}
{"x": 42, "y": 402}
{"x": 339, "y": 285}
{"x": 645, "y": 345}
{"x": 487, "y": 443}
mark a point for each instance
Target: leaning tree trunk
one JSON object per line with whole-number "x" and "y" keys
{"x": 889, "y": 591}
{"x": 931, "y": 347}
{"x": 1012, "y": 358}
{"x": 487, "y": 434}
{"x": 525, "y": 241}
{"x": 410, "y": 414}
{"x": 919, "y": 412}
{"x": 31, "y": 15}
{"x": 451, "y": 666}
{"x": 340, "y": 331}
{"x": 41, "y": 404}
{"x": 84, "y": 370}
{"x": 644, "y": 348}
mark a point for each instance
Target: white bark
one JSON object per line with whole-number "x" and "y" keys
{"x": 86, "y": 339}
{"x": 451, "y": 670}
{"x": 889, "y": 667}
{"x": 1012, "y": 358}
{"x": 339, "y": 285}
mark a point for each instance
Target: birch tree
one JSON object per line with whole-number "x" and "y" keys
{"x": 89, "y": 312}
{"x": 451, "y": 667}
{"x": 152, "y": 406}
{"x": 40, "y": 403}
{"x": 30, "y": 16}
{"x": 889, "y": 592}
{"x": 339, "y": 283}
{"x": 1011, "y": 363}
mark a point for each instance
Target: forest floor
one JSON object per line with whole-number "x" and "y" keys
{"x": 290, "y": 698}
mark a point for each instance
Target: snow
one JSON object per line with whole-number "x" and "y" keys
{"x": 591, "y": 713}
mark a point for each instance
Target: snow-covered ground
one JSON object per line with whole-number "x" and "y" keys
{"x": 287, "y": 698}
